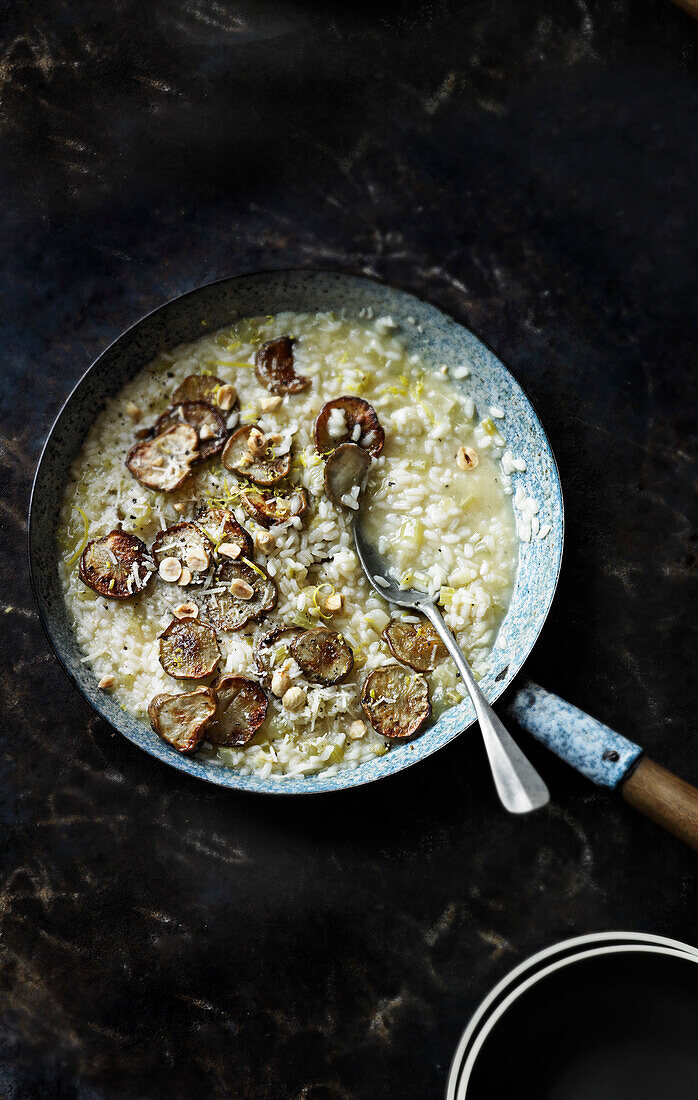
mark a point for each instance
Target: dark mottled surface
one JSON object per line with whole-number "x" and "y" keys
{"x": 531, "y": 167}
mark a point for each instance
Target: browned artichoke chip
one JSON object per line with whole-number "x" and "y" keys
{"x": 117, "y": 566}
{"x": 187, "y": 543}
{"x": 220, "y": 526}
{"x": 396, "y": 701}
{"x": 164, "y": 462}
{"x": 239, "y": 593}
{"x": 415, "y": 644}
{"x": 357, "y": 413}
{"x": 275, "y": 367}
{"x": 345, "y": 468}
{"x": 198, "y": 387}
{"x": 269, "y": 509}
{"x": 263, "y": 469}
{"x": 264, "y": 654}
{"x": 242, "y": 707}
{"x": 189, "y": 649}
{"x": 208, "y": 424}
{"x": 324, "y": 655}
{"x": 182, "y": 719}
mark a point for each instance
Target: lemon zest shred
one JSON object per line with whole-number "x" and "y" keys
{"x": 83, "y": 541}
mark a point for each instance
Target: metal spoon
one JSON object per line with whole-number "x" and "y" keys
{"x": 518, "y": 784}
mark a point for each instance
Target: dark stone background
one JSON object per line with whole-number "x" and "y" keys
{"x": 531, "y": 167}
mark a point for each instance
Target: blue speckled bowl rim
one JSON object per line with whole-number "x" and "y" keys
{"x": 454, "y": 721}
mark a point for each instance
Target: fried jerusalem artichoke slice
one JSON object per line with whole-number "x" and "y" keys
{"x": 189, "y": 649}
{"x": 209, "y": 425}
{"x": 164, "y": 462}
{"x": 415, "y": 644}
{"x": 258, "y": 465}
{"x": 269, "y": 509}
{"x": 117, "y": 566}
{"x": 324, "y": 655}
{"x": 239, "y": 593}
{"x": 276, "y": 369}
{"x": 187, "y": 544}
{"x": 396, "y": 701}
{"x": 348, "y": 420}
{"x": 346, "y": 468}
{"x": 242, "y": 707}
{"x": 181, "y": 720}
{"x": 221, "y": 527}
{"x": 198, "y": 387}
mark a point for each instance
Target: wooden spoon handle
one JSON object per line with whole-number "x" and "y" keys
{"x": 663, "y": 796}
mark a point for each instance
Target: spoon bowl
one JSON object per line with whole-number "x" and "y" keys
{"x": 518, "y": 784}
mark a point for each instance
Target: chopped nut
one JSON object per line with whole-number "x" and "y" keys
{"x": 265, "y": 542}
{"x": 187, "y": 611}
{"x": 133, "y": 411}
{"x": 106, "y": 683}
{"x": 197, "y": 560}
{"x": 294, "y": 698}
{"x": 206, "y": 432}
{"x": 280, "y": 683}
{"x": 334, "y": 602}
{"x": 270, "y": 404}
{"x": 257, "y": 443}
{"x": 241, "y": 589}
{"x": 356, "y": 730}
{"x": 275, "y": 437}
{"x": 229, "y": 550}
{"x": 179, "y": 506}
{"x": 170, "y": 569}
{"x": 225, "y": 398}
{"x": 157, "y": 461}
{"x": 185, "y": 579}
{"x": 467, "y": 458}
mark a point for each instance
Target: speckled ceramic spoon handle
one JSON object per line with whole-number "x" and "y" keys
{"x": 608, "y": 759}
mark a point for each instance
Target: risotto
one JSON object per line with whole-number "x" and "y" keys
{"x": 207, "y": 557}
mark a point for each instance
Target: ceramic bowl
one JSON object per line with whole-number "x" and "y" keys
{"x": 602, "y": 1015}
{"x": 438, "y": 338}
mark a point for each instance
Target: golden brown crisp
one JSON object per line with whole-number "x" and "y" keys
{"x": 229, "y": 611}
{"x": 263, "y": 469}
{"x": 189, "y": 649}
{"x": 269, "y": 509}
{"x": 242, "y": 707}
{"x": 198, "y": 387}
{"x": 357, "y": 412}
{"x": 276, "y": 369}
{"x": 415, "y": 644}
{"x": 164, "y": 462}
{"x": 187, "y": 543}
{"x": 345, "y": 468}
{"x": 396, "y": 701}
{"x": 181, "y": 720}
{"x": 209, "y": 425}
{"x": 220, "y": 526}
{"x": 117, "y": 566}
{"x": 324, "y": 655}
